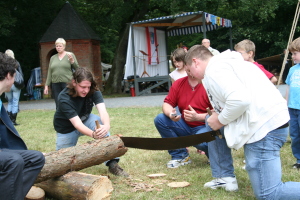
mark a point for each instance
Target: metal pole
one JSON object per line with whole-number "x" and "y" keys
{"x": 204, "y": 24}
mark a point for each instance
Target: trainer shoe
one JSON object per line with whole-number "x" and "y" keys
{"x": 244, "y": 167}
{"x": 229, "y": 183}
{"x": 116, "y": 170}
{"x": 296, "y": 166}
{"x": 177, "y": 163}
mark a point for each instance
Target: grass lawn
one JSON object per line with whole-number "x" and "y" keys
{"x": 37, "y": 130}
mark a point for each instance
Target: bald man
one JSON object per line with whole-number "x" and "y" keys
{"x": 206, "y": 43}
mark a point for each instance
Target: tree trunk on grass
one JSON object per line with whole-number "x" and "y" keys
{"x": 114, "y": 82}
{"x": 78, "y": 186}
{"x": 82, "y": 156}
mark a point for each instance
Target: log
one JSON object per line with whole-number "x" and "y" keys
{"x": 78, "y": 186}
{"x": 82, "y": 156}
{"x": 35, "y": 193}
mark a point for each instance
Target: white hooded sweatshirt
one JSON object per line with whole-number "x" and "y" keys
{"x": 249, "y": 105}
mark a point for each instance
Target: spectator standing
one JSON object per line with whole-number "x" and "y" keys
{"x": 292, "y": 97}
{"x": 13, "y": 96}
{"x": 60, "y": 69}
{"x": 247, "y": 49}
{"x": 206, "y": 43}
{"x": 177, "y": 59}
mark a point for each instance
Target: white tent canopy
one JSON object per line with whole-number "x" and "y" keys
{"x": 141, "y": 61}
{"x": 137, "y": 60}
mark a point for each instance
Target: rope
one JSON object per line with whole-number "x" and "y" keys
{"x": 296, "y": 17}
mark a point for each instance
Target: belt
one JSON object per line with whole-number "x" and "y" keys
{"x": 283, "y": 126}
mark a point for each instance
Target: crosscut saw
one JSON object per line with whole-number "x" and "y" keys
{"x": 168, "y": 143}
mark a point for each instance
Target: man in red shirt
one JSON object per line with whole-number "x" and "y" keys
{"x": 191, "y": 99}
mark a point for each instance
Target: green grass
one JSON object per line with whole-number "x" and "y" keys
{"x": 37, "y": 130}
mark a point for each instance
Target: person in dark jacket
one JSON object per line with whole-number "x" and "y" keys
{"x": 19, "y": 166}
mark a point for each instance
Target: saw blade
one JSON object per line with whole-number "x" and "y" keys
{"x": 168, "y": 143}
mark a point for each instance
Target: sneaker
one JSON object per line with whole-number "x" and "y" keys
{"x": 296, "y": 166}
{"x": 177, "y": 163}
{"x": 229, "y": 183}
{"x": 116, "y": 170}
{"x": 244, "y": 167}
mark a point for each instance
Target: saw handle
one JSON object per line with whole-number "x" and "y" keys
{"x": 97, "y": 124}
{"x": 217, "y": 131}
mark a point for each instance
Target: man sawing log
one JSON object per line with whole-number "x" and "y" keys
{"x": 98, "y": 151}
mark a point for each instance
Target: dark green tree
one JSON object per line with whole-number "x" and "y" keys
{"x": 23, "y": 22}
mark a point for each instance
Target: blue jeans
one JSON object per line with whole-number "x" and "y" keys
{"x": 295, "y": 132}
{"x": 65, "y": 140}
{"x": 264, "y": 168}
{"x": 168, "y": 128}
{"x": 221, "y": 163}
{"x": 13, "y": 97}
{"x": 18, "y": 172}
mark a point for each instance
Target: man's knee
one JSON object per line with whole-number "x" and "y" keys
{"x": 12, "y": 161}
{"x": 38, "y": 157}
{"x": 158, "y": 119}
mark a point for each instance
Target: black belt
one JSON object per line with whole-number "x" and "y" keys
{"x": 283, "y": 126}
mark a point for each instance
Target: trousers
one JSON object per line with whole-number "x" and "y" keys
{"x": 18, "y": 172}
{"x": 64, "y": 140}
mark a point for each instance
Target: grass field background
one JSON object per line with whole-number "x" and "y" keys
{"x": 36, "y": 128}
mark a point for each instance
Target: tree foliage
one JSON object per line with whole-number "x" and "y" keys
{"x": 23, "y": 23}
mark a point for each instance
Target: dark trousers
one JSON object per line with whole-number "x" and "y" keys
{"x": 18, "y": 172}
{"x": 56, "y": 88}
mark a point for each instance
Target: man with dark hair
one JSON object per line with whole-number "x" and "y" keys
{"x": 19, "y": 167}
{"x": 73, "y": 117}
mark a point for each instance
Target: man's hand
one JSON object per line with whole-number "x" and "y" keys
{"x": 101, "y": 132}
{"x": 214, "y": 122}
{"x": 190, "y": 115}
{"x": 173, "y": 116}
{"x": 70, "y": 58}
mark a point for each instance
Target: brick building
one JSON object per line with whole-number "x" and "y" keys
{"x": 80, "y": 38}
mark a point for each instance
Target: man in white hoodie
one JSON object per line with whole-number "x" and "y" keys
{"x": 254, "y": 115}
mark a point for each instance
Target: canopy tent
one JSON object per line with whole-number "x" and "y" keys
{"x": 147, "y": 58}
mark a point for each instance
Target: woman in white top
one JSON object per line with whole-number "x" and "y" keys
{"x": 177, "y": 58}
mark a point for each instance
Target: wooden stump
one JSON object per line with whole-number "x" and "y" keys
{"x": 82, "y": 156}
{"x": 78, "y": 186}
{"x": 35, "y": 193}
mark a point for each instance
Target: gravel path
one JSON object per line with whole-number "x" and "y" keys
{"x": 138, "y": 101}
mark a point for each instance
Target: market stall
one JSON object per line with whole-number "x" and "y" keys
{"x": 147, "y": 59}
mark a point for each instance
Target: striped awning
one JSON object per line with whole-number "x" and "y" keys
{"x": 186, "y": 23}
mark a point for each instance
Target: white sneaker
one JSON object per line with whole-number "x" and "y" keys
{"x": 229, "y": 183}
{"x": 177, "y": 163}
{"x": 244, "y": 167}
